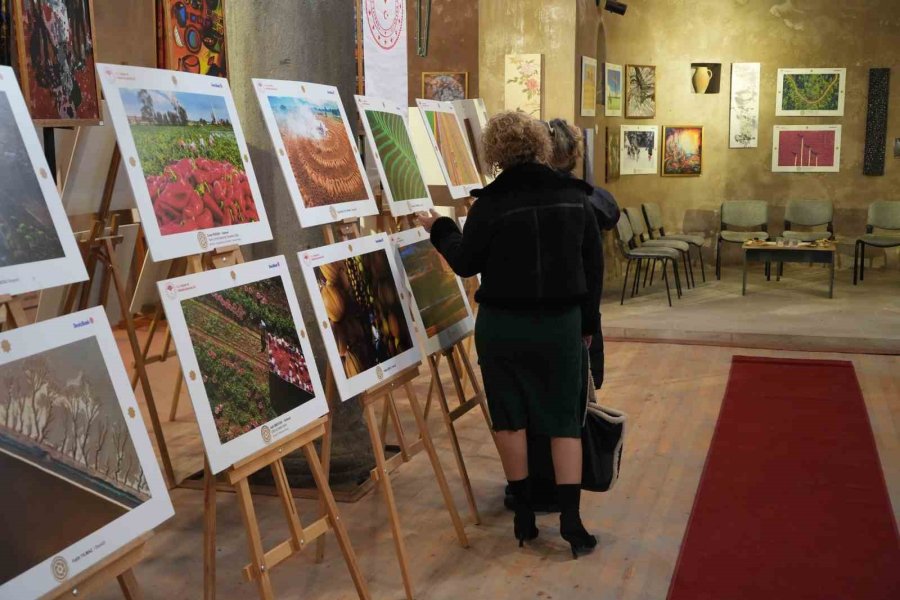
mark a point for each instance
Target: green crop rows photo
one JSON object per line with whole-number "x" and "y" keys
{"x": 397, "y": 156}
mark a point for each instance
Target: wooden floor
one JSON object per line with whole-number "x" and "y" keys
{"x": 672, "y": 396}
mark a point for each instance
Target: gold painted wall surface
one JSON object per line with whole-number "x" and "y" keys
{"x": 779, "y": 34}
{"x": 126, "y": 32}
{"x": 524, "y": 27}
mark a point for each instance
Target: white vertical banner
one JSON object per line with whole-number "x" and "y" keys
{"x": 384, "y": 49}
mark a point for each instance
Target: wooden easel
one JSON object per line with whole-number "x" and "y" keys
{"x": 120, "y": 563}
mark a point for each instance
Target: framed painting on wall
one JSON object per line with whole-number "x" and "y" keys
{"x": 640, "y": 91}
{"x": 357, "y": 292}
{"x": 388, "y": 131}
{"x": 446, "y": 132}
{"x": 744, "y": 126}
{"x": 437, "y": 298}
{"x": 316, "y": 150}
{"x": 37, "y": 247}
{"x": 613, "y": 164}
{"x": 445, "y": 86}
{"x": 588, "y": 86}
{"x": 612, "y": 89}
{"x": 639, "y": 150}
{"x": 523, "y": 90}
{"x": 682, "y": 150}
{"x": 79, "y": 476}
{"x": 806, "y": 149}
{"x": 187, "y": 160}
{"x": 246, "y": 357}
{"x": 56, "y": 49}
{"x": 194, "y": 36}
{"x": 706, "y": 78}
{"x": 810, "y": 92}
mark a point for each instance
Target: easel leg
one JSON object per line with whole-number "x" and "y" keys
{"x": 331, "y": 393}
{"x": 391, "y": 407}
{"x": 478, "y": 390}
{"x": 388, "y": 491}
{"x": 129, "y": 586}
{"x": 340, "y": 532}
{"x": 436, "y": 465}
{"x": 257, "y": 555}
{"x": 176, "y": 396}
{"x": 209, "y": 533}
{"x": 145, "y": 351}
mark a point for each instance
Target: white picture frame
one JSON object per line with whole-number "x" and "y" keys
{"x": 121, "y": 414}
{"x": 814, "y": 144}
{"x": 310, "y": 101}
{"x": 401, "y": 201}
{"x": 787, "y": 76}
{"x": 215, "y": 91}
{"x": 459, "y": 170}
{"x": 27, "y": 179}
{"x": 444, "y": 337}
{"x": 367, "y": 375}
{"x": 173, "y": 293}
{"x": 614, "y": 103}
{"x": 642, "y": 160}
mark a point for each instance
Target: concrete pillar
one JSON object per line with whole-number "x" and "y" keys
{"x": 308, "y": 40}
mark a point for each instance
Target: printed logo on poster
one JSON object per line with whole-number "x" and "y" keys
{"x": 60, "y": 568}
{"x": 266, "y": 434}
{"x": 202, "y": 240}
{"x": 379, "y": 372}
{"x": 5, "y": 346}
{"x": 170, "y": 290}
{"x": 385, "y": 21}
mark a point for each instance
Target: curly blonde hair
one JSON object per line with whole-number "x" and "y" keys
{"x": 513, "y": 138}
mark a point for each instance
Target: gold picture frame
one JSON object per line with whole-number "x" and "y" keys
{"x": 453, "y": 81}
{"x": 681, "y": 163}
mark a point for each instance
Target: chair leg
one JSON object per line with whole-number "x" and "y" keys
{"x": 653, "y": 271}
{"x": 637, "y": 277}
{"x": 677, "y": 276}
{"x": 768, "y": 271}
{"x": 862, "y": 262}
{"x": 702, "y": 268}
{"x": 625, "y": 283}
{"x": 855, "y": 261}
{"x": 647, "y": 272}
{"x": 719, "y": 259}
{"x": 666, "y": 279}
{"x": 686, "y": 260}
{"x": 780, "y": 271}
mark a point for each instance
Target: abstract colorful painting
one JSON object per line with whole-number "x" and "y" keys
{"x": 806, "y": 149}
{"x": 186, "y": 158}
{"x": 194, "y": 33}
{"x": 612, "y": 89}
{"x": 640, "y": 91}
{"x": 744, "y": 129}
{"x": 613, "y": 164}
{"x": 445, "y": 129}
{"x": 588, "y": 86}
{"x": 639, "y": 150}
{"x": 523, "y": 90}
{"x": 248, "y": 365}
{"x": 810, "y": 92}
{"x": 56, "y": 47}
{"x": 357, "y": 293}
{"x": 315, "y": 147}
{"x": 445, "y": 86}
{"x": 682, "y": 150}
{"x": 79, "y": 475}
{"x": 437, "y": 295}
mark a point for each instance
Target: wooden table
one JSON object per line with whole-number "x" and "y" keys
{"x": 770, "y": 252}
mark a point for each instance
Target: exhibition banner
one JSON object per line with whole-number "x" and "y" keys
{"x": 384, "y": 50}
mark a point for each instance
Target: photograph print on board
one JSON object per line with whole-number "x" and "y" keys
{"x": 639, "y": 150}
{"x": 194, "y": 35}
{"x": 640, "y": 91}
{"x": 810, "y": 92}
{"x": 450, "y": 142}
{"x": 56, "y": 47}
{"x": 682, "y": 151}
{"x": 79, "y": 474}
{"x": 806, "y": 148}
{"x": 186, "y": 158}
{"x": 387, "y": 129}
{"x": 612, "y": 89}
{"x": 37, "y": 247}
{"x": 438, "y": 299}
{"x": 357, "y": 293}
{"x": 316, "y": 150}
{"x": 248, "y": 367}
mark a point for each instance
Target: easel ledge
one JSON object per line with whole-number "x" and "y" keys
{"x": 118, "y": 565}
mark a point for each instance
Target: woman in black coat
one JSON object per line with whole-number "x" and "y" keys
{"x": 533, "y": 238}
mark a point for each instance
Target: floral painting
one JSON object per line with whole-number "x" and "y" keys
{"x": 524, "y": 89}
{"x": 640, "y": 91}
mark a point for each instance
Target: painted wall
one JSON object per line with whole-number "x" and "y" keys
{"x": 794, "y": 33}
{"x": 126, "y": 35}
{"x": 523, "y": 27}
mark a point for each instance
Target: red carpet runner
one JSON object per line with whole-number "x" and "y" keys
{"x": 792, "y": 503}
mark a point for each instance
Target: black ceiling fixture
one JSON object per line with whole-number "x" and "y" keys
{"x": 616, "y": 7}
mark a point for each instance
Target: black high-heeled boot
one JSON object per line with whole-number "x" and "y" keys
{"x": 524, "y": 525}
{"x": 570, "y": 526}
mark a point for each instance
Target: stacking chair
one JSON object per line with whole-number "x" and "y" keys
{"x": 653, "y": 216}
{"x": 752, "y": 216}
{"x": 811, "y": 214}
{"x": 642, "y": 239}
{"x": 882, "y": 215}
{"x": 631, "y": 254}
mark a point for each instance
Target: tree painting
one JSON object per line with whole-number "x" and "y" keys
{"x": 640, "y": 91}
{"x": 59, "y": 412}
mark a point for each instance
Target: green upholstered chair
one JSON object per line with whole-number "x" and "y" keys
{"x": 625, "y": 241}
{"x": 809, "y": 213}
{"x": 657, "y": 231}
{"x": 883, "y": 215}
{"x": 642, "y": 239}
{"x": 751, "y": 216}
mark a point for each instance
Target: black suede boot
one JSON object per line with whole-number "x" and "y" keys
{"x": 570, "y": 527}
{"x": 523, "y": 523}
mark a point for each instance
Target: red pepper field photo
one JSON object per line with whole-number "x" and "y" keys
{"x": 190, "y": 158}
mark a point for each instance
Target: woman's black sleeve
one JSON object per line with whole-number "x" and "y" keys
{"x": 592, "y": 258}
{"x": 464, "y": 251}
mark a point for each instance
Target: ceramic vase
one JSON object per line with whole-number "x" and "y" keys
{"x": 701, "y": 79}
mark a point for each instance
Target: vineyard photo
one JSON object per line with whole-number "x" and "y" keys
{"x": 365, "y": 310}
{"x": 27, "y": 233}
{"x": 190, "y": 159}
{"x": 251, "y": 364}
{"x": 453, "y": 147}
{"x": 434, "y": 286}
{"x": 398, "y": 159}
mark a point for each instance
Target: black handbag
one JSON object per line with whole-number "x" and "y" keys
{"x": 601, "y": 443}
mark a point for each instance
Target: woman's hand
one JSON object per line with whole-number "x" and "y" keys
{"x": 427, "y": 219}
